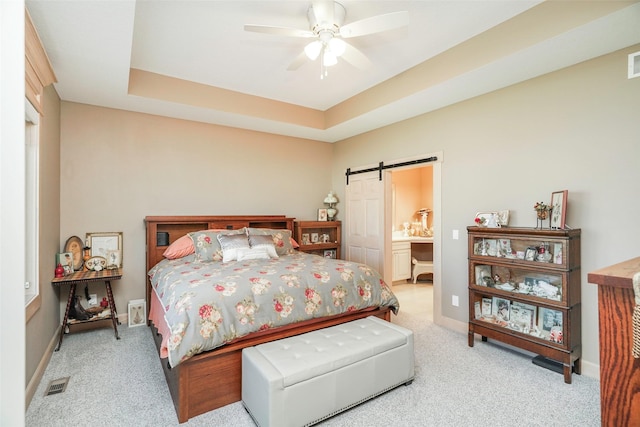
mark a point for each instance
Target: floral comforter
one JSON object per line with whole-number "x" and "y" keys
{"x": 208, "y": 304}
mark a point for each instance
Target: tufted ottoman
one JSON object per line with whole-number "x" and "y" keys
{"x": 304, "y": 379}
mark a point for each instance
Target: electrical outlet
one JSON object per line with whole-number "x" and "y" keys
{"x": 454, "y": 300}
{"x": 455, "y": 235}
{"x": 93, "y": 300}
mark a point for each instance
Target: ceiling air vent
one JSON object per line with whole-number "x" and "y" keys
{"x": 57, "y": 386}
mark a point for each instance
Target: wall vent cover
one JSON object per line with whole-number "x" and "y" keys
{"x": 57, "y": 386}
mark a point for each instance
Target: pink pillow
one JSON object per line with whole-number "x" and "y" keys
{"x": 294, "y": 243}
{"x": 180, "y": 248}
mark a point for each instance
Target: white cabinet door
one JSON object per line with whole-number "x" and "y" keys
{"x": 401, "y": 261}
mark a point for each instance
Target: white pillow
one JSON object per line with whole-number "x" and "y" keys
{"x": 259, "y": 252}
{"x": 230, "y": 243}
{"x": 264, "y": 241}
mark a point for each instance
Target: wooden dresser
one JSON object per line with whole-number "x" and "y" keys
{"x": 619, "y": 371}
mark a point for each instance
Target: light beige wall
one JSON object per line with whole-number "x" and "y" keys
{"x": 118, "y": 167}
{"x": 42, "y": 326}
{"x": 575, "y": 129}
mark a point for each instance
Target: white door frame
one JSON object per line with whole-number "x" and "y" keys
{"x": 436, "y": 223}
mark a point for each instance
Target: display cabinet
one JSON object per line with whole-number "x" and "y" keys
{"x": 322, "y": 238}
{"x": 524, "y": 290}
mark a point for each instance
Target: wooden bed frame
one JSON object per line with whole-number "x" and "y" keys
{"x": 213, "y": 379}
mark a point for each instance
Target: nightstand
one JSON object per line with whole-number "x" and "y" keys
{"x": 80, "y": 277}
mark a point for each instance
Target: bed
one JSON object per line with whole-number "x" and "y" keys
{"x": 206, "y": 379}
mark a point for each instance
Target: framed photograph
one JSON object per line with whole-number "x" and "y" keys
{"x": 558, "y": 209}
{"x": 504, "y": 248}
{"x": 305, "y": 239}
{"x": 524, "y": 315}
{"x": 486, "y": 307}
{"x": 530, "y": 254}
{"x": 478, "y": 310}
{"x": 322, "y": 214}
{"x": 74, "y": 245}
{"x": 137, "y": 313}
{"x": 315, "y": 238}
{"x": 548, "y": 319}
{"x": 557, "y": 253}
{"x": 492, "y": 247}
{"x": 114, "y": 259}
{"x": 102, "y": 243}
{"x": 483, "y": 271}
{"x": 330, "y": 253}
{"x": 65, "y": 259}
{"x": 501, "y": 308}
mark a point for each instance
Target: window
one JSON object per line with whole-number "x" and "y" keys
{"x": 31, "y": 285}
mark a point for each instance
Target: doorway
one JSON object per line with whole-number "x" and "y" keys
{"x": 385, "y": 220}
{"x": 412, "y": 218}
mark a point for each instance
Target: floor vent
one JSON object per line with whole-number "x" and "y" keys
{"x": 57, "y": 386}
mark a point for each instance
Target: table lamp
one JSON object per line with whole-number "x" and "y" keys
{"x": 331, "y": 200}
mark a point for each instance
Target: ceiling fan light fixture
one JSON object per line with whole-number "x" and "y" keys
{"x": 337, "y": 46}
{"x": 312, "y": 50}
{"x": 329, "y": 58}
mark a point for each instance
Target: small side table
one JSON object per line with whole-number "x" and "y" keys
{"x": 80, "y": 277}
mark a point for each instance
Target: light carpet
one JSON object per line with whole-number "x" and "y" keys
{"x": 120, "y": 383}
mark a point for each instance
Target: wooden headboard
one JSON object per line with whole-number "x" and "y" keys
{"x": 164, "y": 230}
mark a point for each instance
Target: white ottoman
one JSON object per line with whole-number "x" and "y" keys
{"x": 304, "y": 379}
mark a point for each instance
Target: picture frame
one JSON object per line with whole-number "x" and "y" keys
{"x": 486, "y": 307}
{"x": 482, "y": 271}
{"x": 305, "y": 239}
{"x": 137, "y": 310}
{"x": 330, "y": 253}
{"x": 114, "y": 259}
{"x": 477, "y": 310}
{"x": 75, "y": 245}
{"x": 558, "y": 209}
{"x": 65, "y": 259}
{"x": 501, "y": 308}
{"x": 315, "y": 238}
{"x": 530, "y": 254}
{"x": 548, "y": 319}
{"x": 524, "y": 314}
{"x": 102, "y": 243}
{"x": 322, "y": 214}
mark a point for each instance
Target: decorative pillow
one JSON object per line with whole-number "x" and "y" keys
{"x": 180, "y": 248}
{"x": 230, "y": 245}
{"x": 294, "y": 243}
{"x": 265, "y": 242}
{"x": 257, "y": 252}
{"x": 206, "y": 243}
{"x": 281, "y": 238}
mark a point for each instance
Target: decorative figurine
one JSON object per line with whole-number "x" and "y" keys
{"x": 59, "y": 271}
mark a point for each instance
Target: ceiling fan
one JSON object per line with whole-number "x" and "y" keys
{"x": 326, "y": 19}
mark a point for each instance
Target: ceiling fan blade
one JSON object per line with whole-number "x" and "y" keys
{"x": 278, "y": 31}
{"x": 298, "y": 62}
{"x": 356, "y": 58}
{"x": 375, "y": 24}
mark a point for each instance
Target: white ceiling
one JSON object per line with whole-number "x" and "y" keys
{"x": 92, "y": 44}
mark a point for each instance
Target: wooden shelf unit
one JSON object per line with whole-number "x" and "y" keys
{"x": 532, "y": 289}
{"x": 331, "y": 228}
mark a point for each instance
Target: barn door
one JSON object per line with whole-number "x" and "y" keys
{"x": 365, "y": 227}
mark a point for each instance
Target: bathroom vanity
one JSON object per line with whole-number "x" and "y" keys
{"x": 405, "y": 248}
